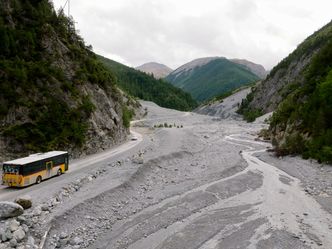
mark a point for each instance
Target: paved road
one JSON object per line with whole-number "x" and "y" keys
{"x": 76, "y": 166}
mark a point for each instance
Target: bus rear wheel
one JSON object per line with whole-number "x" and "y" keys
{"x": 59, "y": 172}
{"x": 39, "y": 179}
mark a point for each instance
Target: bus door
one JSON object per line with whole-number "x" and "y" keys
{"x": 66, "y": 163}
{"x": 49, "y": 166}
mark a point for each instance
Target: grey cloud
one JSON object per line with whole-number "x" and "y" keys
{"x": 174, "y": 32}
{"x": 241, "y": 10}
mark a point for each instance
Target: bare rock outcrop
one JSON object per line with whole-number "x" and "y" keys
{"x": 267, "y": 93}
{"x": 67, "y": 100}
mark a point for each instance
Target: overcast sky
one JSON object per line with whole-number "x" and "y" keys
{"x": 174, "y": 32}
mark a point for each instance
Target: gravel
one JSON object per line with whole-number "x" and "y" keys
{"x": 197, "y": 187}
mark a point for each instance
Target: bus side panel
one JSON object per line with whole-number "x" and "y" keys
{"x": 31, "y": 179}
{"x": 61, "y": 160}
{"x": 56, "y": 168}
{"x": 32, "y": 170}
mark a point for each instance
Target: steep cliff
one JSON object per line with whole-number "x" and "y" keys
{"x": 299, "y": 90}
{"x": 289, "y": 73}
{"x": 225, "y": 107}
{"x": 54, "y": 94}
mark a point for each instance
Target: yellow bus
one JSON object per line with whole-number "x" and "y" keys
{"x": 34, "y": 168}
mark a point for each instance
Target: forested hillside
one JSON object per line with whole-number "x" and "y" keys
{"x": 210, "y": 77}
{"x": 146, "y": 87}
{"x": 300, "y": 89}
{"x": 52, "y": 85}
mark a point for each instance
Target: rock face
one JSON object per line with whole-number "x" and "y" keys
{"x": 57, "y": 78}
{"x": 106, "y": 127}
{"x": 225, "y": 108}
{"x": 267, "y": 95}
{"x": 10, "y": 209}
{"x": 158, "y": 70}
{"x": 299, "y": 91}
{"x": 284, "y": 78}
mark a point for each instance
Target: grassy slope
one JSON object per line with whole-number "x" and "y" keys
{"x": 146, "y": 87}
{"x": 216, "y": 77}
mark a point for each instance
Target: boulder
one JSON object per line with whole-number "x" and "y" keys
{"x": 3, "y": 246}
{"x": 24, "y": 201}
{"x": 45, "y": 207}
{"x": 138, "y": 160}
{"x": 13, "y": 225}
{"x": 13, "y": 242}
{"x": 63, "y": 235}
{"x": 31, "y": 242}
{"x": 37, "y": 211}
{"x": 76, "y": 241}
{"x": 19, "y": 234}
{"x": 10, "y": 209}
{"x": 8, "y": 235}
{"x": 3, "y": 236}
{"x": 25, "y": 228}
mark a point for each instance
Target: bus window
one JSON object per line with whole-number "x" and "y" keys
{"x": 11, "y": 169}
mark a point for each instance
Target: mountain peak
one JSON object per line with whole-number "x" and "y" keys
{"x": 257, "y": 69}
{"x": 208, "y": 77}
{"x": 196, "y": 63}
{"x": 158, "y": 70}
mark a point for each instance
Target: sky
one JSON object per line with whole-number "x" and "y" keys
{"x": 174, "y": 32}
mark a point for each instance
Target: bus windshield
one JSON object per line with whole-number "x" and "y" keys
{"x": 11, "y": 169}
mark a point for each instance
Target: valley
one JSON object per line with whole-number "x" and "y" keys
{"x": 210, "y": 184}
{"x": 207, "y": 156}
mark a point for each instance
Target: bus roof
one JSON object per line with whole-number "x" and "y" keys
{"x": 35, "y": 157}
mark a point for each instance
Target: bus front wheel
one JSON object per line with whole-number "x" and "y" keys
{"x": 39, "y": 179}
{"x": 59, "y": 172}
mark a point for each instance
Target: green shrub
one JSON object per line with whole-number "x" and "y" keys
{"x": 127, "y": 115}
{"x": 249, "y": 114}
{"x": 309, "y": 110}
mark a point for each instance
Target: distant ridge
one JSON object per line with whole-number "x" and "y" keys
{"x": 257, "y": 69}
{"x": 144, "y": 86}
{"x": 205, "y": 78}
{"x": 158, "y": 70}
{"x": 195, "y": 63}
